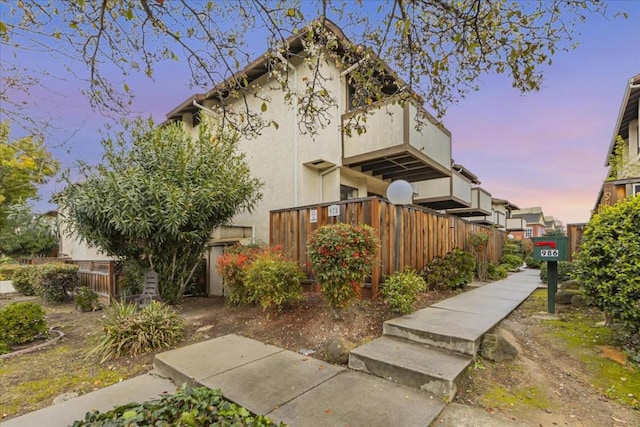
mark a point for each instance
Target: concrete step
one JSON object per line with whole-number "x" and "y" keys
{"x": 412, "y": 364}
{"x": 447, "y": 329}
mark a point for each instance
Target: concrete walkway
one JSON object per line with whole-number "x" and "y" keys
{"x": 6, "y": 287}
{"x": 302, "y": 391}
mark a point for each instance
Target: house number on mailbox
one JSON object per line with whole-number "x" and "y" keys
{"x": 546, "y": 253}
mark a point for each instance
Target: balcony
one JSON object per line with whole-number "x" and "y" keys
{"x": 444, "y": 193}
{"x": 392, "y": 148}
{"x": 496, "y": 218}
{"x": 480, "y": 204}
{"x": 516, "y": 224}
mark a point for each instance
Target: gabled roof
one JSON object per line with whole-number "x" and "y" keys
{"x": 533, "y": 210}
{"x": 255, "y": 69}
{"x": 628, "y": 112}
{"x": 260, "y": 66}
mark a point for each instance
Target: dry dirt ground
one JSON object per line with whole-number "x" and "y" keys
{"x": 558, "y": 384}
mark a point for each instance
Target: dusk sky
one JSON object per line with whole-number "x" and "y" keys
{"x": 540, "y": 149}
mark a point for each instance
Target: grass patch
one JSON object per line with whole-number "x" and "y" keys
{"x": 516, "y": 398}
{"x": 536, "y": 303}
{"x": 30, "y": 386}
{"x": 575, "y": 330}
{"x": 585, "y": 341}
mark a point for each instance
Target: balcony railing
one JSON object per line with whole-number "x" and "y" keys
{"x": 497, "y": 219}
{"x": 444, "y": 193}
{"x": 394, "y": 147}
{"x": 516, "y": 224}
{"x": 480, "y": 204}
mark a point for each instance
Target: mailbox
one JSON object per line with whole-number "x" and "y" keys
{"x": 551, "y": 248}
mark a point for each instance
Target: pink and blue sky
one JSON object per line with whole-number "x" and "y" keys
{"x": 541, "y": 149}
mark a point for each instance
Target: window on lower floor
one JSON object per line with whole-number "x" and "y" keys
{"x": 636, "y": 189}
{"x": 528, "y": 232}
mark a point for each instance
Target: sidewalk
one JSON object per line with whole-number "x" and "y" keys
{"x": 302, "y": 391}
{"x": 6, "y": 287}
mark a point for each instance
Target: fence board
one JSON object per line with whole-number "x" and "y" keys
{"x": 575, "y": 233}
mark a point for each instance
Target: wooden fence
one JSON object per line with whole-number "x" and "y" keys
{"x": 423, "y": 233}
{"x": 100, "y": 276}
{"x": 574, "y": 233}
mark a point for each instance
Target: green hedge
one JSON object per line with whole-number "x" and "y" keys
{"x": 511, "y": 262}
{"x": 453, "y": 271}
{"x": 21, "y": 322}
{"x": 53, "y": 282}
{"x": 608, "y": 265}
{"x": 58, "y": 282}
{"x": 25, "y": 279}
{"x": 565, "y": 271}
{"x": 401, "y": 290}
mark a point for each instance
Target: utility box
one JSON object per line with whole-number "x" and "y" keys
{"x": 551, "y": 248}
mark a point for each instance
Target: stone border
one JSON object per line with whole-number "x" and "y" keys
{"x": 35, "y": 347}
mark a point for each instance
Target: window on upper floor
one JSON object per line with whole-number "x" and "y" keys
{"x": 348, "y": 193}
{"x": 356, "y": 100}
{"x": 528, "y": 232}
{"x": 195, "y": 117}
{"x": 368, "y": 94}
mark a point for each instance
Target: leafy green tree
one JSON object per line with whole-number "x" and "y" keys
{"x": 439, "y": 48}
{"x": 158, "y": 196}
{"x": 608, "y": 263}
{"x": 24, "y": 164}
{"x": 26, "y": 235}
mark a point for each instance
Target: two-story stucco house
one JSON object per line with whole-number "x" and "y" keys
{"x": 298, "y": 169}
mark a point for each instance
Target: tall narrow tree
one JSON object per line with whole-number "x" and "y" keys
{"x": 158, "y": 196}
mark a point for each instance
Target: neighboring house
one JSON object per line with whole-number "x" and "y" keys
{"x": 535, "y": 225}
{"x": 298, "y": 169}
{"x": 500, "y": 216}
{"x": 552, "y": 225}
{"x": 73, "y": 248}
{"x": 623, "y": 156}
{"x": 549, "y": 223}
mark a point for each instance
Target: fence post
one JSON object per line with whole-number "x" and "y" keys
{"x": 112, "y": 280}
{"x": 375, "y": 269}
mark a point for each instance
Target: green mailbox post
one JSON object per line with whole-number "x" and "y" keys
{"x": 551, "y": 249}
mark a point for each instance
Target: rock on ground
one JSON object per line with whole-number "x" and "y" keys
{"x": 499, "y": 346}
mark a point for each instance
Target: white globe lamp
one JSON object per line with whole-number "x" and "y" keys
{"x": 400, "y": 192}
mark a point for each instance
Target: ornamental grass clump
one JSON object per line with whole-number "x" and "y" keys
{"x": 341, "y": 257}
{"x": 129, "y": 331}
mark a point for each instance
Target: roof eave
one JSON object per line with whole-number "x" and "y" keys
{"x": 635, "y": 80}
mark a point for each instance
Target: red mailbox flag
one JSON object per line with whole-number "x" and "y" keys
{"x": 552, "y": 244}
